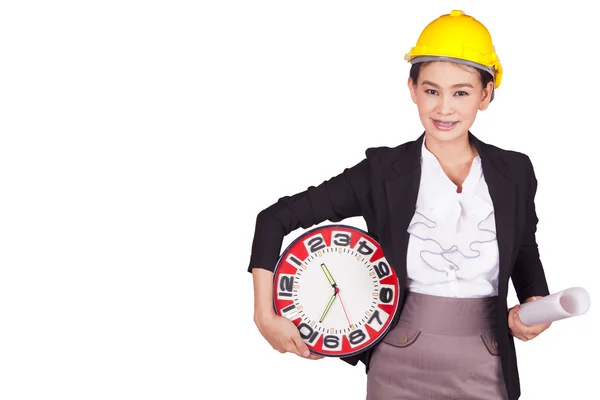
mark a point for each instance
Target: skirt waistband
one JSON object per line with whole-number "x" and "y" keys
{"x": 449, "y": 315}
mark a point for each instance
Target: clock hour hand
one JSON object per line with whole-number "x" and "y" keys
{"x": 329, "y": 305}
{"x": 328, "y": 275}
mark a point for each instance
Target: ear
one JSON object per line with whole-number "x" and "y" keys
{"x": 487, "y": 96}
{"x": 412, "y": 88}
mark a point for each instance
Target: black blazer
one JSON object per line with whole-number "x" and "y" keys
{"x": 383, "y": 189}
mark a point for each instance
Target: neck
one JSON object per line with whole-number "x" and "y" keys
{"x": 452, "y": 152}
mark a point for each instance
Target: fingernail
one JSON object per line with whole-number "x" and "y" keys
{"x": 306, "y": 353}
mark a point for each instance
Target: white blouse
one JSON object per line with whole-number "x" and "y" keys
{"x": 452, "y": 248}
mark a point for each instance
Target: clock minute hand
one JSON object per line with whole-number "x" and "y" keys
{"x": 328, "y": 275}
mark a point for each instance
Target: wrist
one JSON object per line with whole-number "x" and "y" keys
{"x": 263, "y": 314}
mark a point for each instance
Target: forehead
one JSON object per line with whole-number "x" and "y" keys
{"x": 446, "y": 73}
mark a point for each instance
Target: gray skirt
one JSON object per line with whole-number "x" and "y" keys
{"x": 441, "y": 348}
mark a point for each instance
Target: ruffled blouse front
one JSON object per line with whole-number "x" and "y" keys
{"x": 452, "y": 248}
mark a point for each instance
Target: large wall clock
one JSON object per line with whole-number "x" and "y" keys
{"x": 334, "y": 283}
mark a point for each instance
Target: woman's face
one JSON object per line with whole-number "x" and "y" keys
{"x": 448, "y": 97}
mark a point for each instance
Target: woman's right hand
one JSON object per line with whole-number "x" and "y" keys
{"x": 280, "y": 332}
{"x": 283, "y": 335}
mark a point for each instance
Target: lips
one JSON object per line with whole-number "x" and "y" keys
{"x": 444, "y": 125}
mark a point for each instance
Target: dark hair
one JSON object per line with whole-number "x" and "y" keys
{"x": 485, "y": 76}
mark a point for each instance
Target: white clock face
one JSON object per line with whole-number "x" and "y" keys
{"x": 337, "y": 287}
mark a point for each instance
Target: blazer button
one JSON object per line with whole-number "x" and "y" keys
{"x": 495, "y": 343}
{"x": 403, "y": 339}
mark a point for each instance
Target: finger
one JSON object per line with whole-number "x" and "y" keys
{"x": 281, "y": 346}
{"x": 291, "y": 348}
{"x": 518, "y": 320}
{"x": 512, "y": 311}
{"x": 539, "y": 328}
{"x": 535, "y": 330}
{"x": 315, "y": 357}
{"x": 301, "y": 347}
{"x": 516, "y": 332}
{"x": 511, "y": 318}
{"x": 515, "y": 310}
{"x": 520, "y": 326}
{"x": 518, "y": 335}
{"x": 532, "y": 335}
{"x": 527, "y": 331}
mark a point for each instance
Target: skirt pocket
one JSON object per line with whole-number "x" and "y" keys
{"x": 490, "y": 342}
{"x": 401, "y": 336}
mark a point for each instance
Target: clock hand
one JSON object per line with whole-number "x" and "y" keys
{"x": 328, "y": 275}
{"x": 344, "y": 308}
{"x": 328, "y": 306}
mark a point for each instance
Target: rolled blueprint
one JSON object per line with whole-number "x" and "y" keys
{"x": 564, "y": 304}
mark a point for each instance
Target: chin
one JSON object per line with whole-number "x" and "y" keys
{"x": 441, "y": 136}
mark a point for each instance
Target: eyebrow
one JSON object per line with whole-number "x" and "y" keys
{"x": 453, "y": 86}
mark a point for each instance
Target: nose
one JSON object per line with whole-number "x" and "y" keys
{"x": 444, "y": 105}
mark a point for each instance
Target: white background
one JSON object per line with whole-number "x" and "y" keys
{"x": 138, "y": 141}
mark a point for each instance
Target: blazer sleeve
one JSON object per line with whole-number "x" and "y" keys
{"x": 528, "y": 273}
{"x": 340, "y": 197}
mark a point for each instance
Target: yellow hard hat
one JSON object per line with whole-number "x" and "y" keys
{"x": 461, "y": 38}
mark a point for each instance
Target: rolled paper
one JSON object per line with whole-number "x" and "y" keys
{"x": 564, "y": 304}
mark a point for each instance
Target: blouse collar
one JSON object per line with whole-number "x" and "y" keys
{"x": 438, "y": 198}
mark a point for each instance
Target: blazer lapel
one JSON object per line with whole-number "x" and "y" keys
{"x": 402, "y": 194}
{"x": 503, "y": 194}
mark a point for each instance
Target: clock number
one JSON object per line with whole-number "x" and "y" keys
{"x": 364, "y": 249}
{"x": 357, "y": 337}
{"x": 386, "y": 295}
{"x": 286, "y": 284}
{"x": 331, "y": 341}
{"x": 290, "y": 312}
{"x": 316, "y": 244}
{"x": 341, "y": 239}
{"x": 375, "y": 316}
{"x": 293, "y": 259}
{"x": 382, "y": 269}
{"x": 291, "y": 307}
{"x": 306, "y": 332}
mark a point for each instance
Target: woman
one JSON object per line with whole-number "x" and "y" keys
{"x": 454, "y": 216}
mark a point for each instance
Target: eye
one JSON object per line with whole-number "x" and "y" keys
{"x": 431, "y": 91}
{"x": 461, "y": 93}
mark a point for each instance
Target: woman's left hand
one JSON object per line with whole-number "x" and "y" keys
{"x": 521, "y": 331}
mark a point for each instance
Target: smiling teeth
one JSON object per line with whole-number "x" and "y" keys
{"x": 445, "y": 123}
